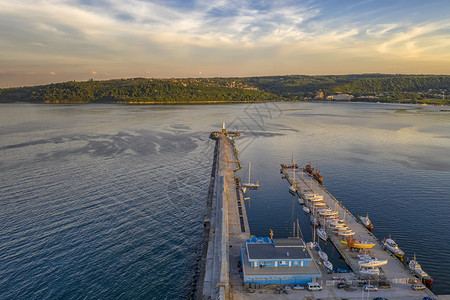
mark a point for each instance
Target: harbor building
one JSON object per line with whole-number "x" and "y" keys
{"x": 277, "y": 261}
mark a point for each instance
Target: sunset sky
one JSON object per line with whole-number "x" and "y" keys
{"x": 44, "y": 41}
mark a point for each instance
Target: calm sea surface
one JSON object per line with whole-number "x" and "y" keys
{"x": 107, "y": 201}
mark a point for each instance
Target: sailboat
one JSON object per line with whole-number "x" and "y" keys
{"x": 249, "y": 185}
{"x": 322, "y": 234}
{"x": 292, "y": 188}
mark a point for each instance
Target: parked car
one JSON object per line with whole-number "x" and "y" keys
{"x": 384, "y": 285}
{"x": 342, "y": 285}
{"x": 314, "y": 286}
{"x": 369, "y": 287}
{"x": 298, "y": 287}
{"x": 417, "y": 286}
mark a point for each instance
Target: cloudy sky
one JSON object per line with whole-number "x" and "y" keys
{"x": 43, "y": 41}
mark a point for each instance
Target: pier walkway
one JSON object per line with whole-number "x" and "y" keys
{"x": 227, "y": 225}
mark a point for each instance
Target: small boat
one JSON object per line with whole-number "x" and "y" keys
{"x": 370, "y": 263}
{"x": 345, "y": 233}
{"x": 335, "y": 222}
{"x": 338, "y": 229}
{"x": 309, "y": 169}
{"x": 313, "y": 197}
{"x": 311, "y": 245}
{"x": 319, "y": 204}
{"x": 337, "y": 225}
{"x": 323, "y": 255}
{"x": 331, "y": 218}
{"x": 416, "y": 269}
{"x": 364, "y": 257}
{"x": 370, "y": 271}
{"x": 328, "y": 213}
{"x": 250, "y": 185}
{"x": 328, "y": 265}
{"x": 322, "y": 234}
{"x": 306, "y": 210}
{"x": 292, "y": 189}
{"x": 393, "y": 247}
{"x": 365, "y": 221}
{"x": 352, "y": 243}
{"x": 314, "y": 221}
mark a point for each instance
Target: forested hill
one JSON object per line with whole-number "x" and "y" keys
{"x": 429, "y": 89}
{"x": 365, "y": 87}
{"x": 139, "y": 90}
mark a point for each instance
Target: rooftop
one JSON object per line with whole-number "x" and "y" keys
{"x": 280, "y": 249}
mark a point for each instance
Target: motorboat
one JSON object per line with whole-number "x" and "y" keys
{"x": 337, "y": 225}
{"x": 416, "y": 269}
{"x": 323, "y": 255}
{"x": 371, "y": 263}
{"x": 328, "y": 213}
{"x": 292, "y": 189}
{"x": 337, "y": 229}
{"x": 366, "y": 222}
{"x": 306, "y": 210}
{"x": 335, "y": 222}
{"x": 322, "y": 234}
{"x": 345, "y": 233}
{"x": 314, "y": 221}
{"x": 328, "y": 265}
{"x": 393, "y": 247}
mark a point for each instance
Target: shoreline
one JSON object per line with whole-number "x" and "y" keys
{"x": 227, "y": 102}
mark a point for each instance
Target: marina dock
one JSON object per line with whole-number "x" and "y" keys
{"x": 225, "y": 263}
{"x": 394, "y": 271}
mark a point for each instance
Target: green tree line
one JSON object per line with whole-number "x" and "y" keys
{"x": 364, "y": 87}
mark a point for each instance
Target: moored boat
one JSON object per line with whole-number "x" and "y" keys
{"x": 393, "y": 247}
{"x": 366, "y": 222}
{"x": 416, "y": 269}
{"x": 322, "y": 234}
{"x": 292, "y": 190}
{"x": 323, "y": 255}
{"x": 328, "y": 265}
{"x": 306, "y": 210}
{"x": 314, "y": 221}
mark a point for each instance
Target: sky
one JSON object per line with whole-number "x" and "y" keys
{"x": 47, "y": 41}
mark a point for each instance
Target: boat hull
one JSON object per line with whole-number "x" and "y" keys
{"x": 357, "y": 244}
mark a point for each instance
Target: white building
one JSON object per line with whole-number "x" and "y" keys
{"x": 340, "y": 97}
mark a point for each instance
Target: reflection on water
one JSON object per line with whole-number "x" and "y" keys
{"x": 108, "y": 200}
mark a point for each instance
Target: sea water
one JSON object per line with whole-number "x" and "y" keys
{"x": 108, "y": 201}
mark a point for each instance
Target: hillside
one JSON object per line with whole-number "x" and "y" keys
{"x": 426, "y": 89}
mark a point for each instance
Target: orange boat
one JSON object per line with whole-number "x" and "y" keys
{"x": 353, "y": 243}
